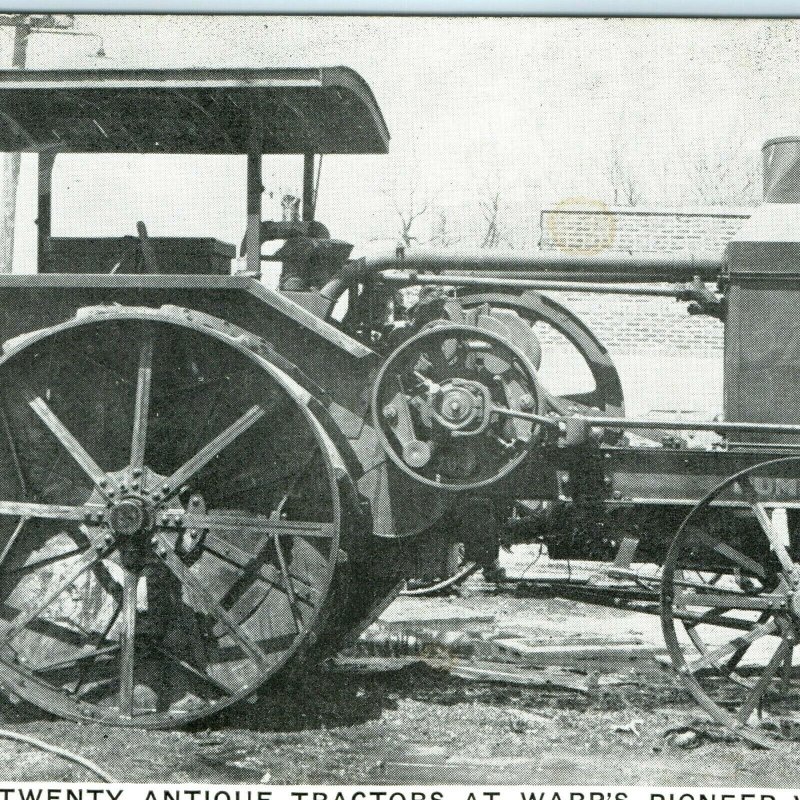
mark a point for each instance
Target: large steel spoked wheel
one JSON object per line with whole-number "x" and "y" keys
{"x": 730, "y": 605}
{"x": 169, "y": 519}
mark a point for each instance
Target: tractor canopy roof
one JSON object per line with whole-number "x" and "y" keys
{"x": 304, "y": 110}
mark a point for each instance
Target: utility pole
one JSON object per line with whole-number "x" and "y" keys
{"x": 11, "y": 161}
{"x": 24, "y": 25}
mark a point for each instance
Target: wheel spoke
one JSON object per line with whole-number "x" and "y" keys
{"x": 194, "y": 671}
{"x": 68, "y": 441}
{"x": 29, "y": 613}
{"x": 736, "y": 658}
{"x": 235, "y": 555}
{"x": 12, "y": 539}
{"x": 716, "y": 654}
{"x": 13, "y": 508}
{"x": 287, "y": 580}
{"x": 733, "y": 600}
{"x": 32, "y": 566}
{"x": 74, "y": 661}
{"x": 213, "y": 448}
{"x": 731, "y": 553}
{"x": 142, "y": 407}
{"x": 12, "y": 446}
{"x": 243, "y": 522}
{"x": 762, "y": 516}
{"x": 786, "y": 671}
{"x": 763, "y": 683}
{"x": 210, "y": 603}
{"x": 127, "y": 657}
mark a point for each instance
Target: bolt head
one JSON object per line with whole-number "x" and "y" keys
{"x": 137, "y": 472}
{"x": 390, "y": 414}
{"x": 526, "y": 403}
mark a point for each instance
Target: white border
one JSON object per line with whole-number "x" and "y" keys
{"x": 681, "y": 8}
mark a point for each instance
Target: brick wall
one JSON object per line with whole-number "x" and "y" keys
{"x": 626, "y": 324}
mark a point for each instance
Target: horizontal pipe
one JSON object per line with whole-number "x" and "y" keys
{"x": 706, "y": 266}
{"x": 626, "y": 268}
{"x": 414, "y": 279}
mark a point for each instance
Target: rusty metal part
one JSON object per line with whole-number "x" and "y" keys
{"x": 146, "y": 582}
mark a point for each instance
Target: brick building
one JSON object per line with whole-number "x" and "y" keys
{"x": 627, "y": 323}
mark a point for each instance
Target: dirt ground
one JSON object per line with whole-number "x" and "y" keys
{"x": 416, "y": 724}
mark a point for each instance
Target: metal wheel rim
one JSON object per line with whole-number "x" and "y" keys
{"x": 22, "y": 681}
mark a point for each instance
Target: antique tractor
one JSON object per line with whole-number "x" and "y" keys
{"x": 205, "y": 483}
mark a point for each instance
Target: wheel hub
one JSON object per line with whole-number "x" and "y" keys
{"x": 458, "y": 405}
{"x": 130, "y": 516}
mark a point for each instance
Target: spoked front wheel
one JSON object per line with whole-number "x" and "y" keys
{"x": 169, "y": 518}
{"x": 730, "y": 603}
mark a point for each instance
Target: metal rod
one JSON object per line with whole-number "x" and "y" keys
{"x": 254, "y": 189}
{"x": 412, "y": 278}
{"x": 558, "y": 275}
{"x": 665, "y": 425}
{"x": 47, "y": 160}
{"x": 650, "y": 424}
{"x": 308, "y": 187}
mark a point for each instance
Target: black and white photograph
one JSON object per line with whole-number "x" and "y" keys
{"x": 399, "y": 401}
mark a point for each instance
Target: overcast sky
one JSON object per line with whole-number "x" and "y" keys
{"x": 537, "y": 109}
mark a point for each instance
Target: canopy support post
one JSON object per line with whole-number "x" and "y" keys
{"x": 308, "y": 187}
{"x": 44, "y": 216}
{"x": 255, "y": 188}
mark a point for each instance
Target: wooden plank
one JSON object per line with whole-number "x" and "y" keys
{"x": 559, "y": 654}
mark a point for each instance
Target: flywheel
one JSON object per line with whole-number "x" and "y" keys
{"x": 170, "y": 516}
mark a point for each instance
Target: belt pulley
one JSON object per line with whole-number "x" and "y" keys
{"x": 452, "y": 406}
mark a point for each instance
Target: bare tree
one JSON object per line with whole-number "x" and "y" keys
{"x": 723, "y": 178}
{"x": 623, "y": 182}
{"x": 410, "y": 212}
{"x": 494, "y": 234}
{"x": 443, "y": 234}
